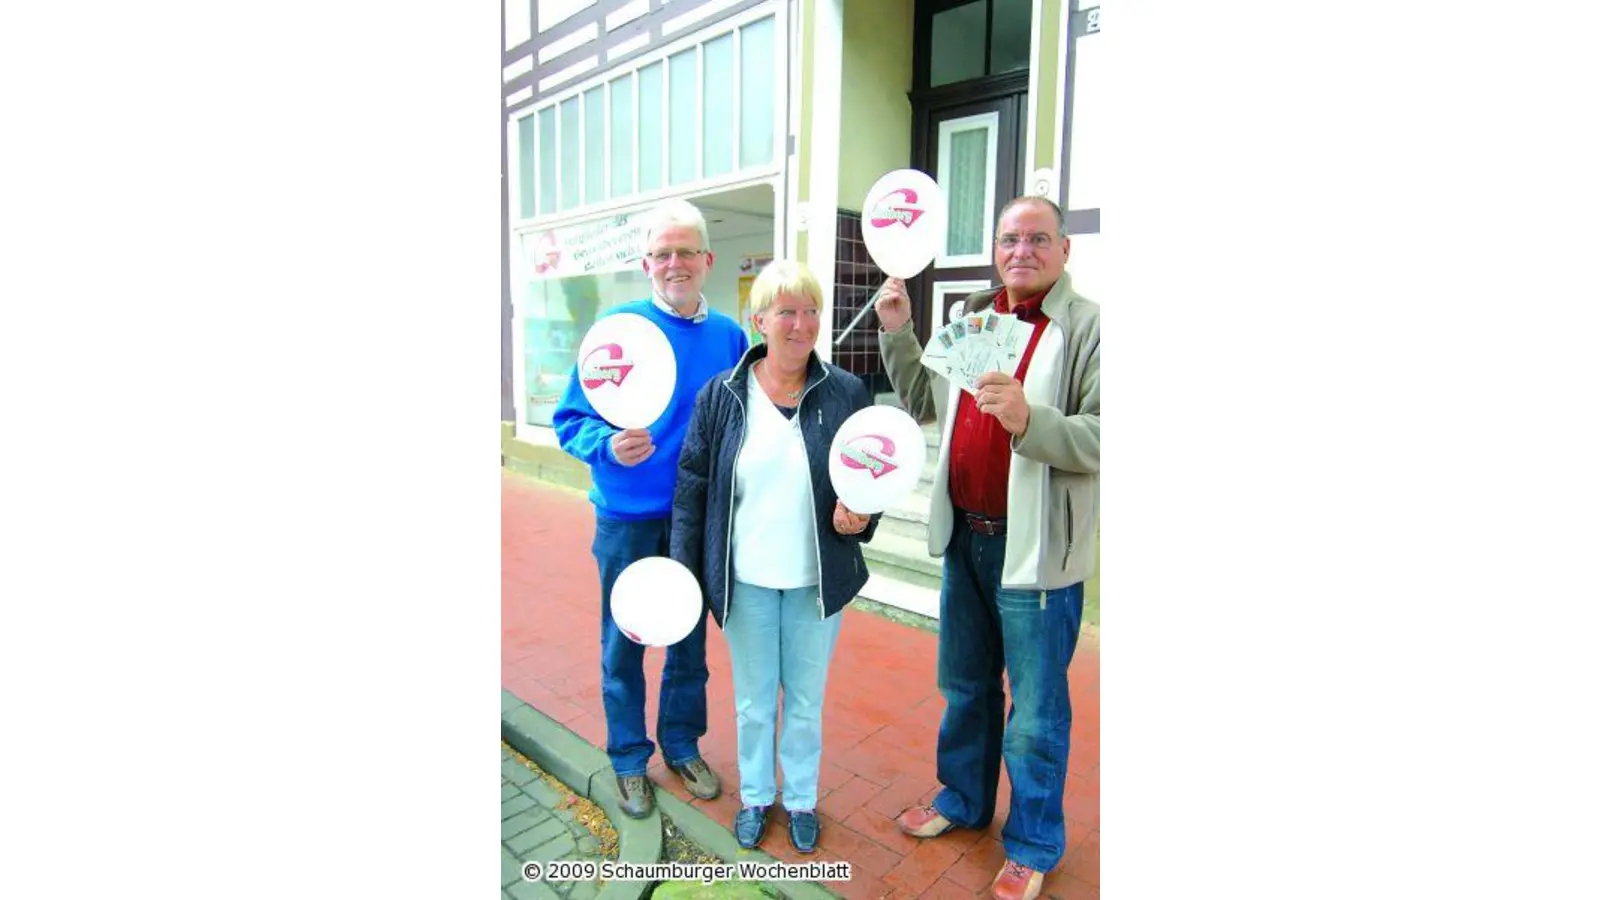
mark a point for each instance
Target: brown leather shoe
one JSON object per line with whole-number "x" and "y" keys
{"x": 698, "y": 778}
{"x": 638, "y": 795}
{"x": 1016, "y": 882}
{"x": 923, "y": 822}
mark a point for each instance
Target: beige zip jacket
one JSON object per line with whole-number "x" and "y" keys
{"x": 1053, "y": 497}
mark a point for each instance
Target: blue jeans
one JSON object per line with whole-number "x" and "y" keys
{"x": 681, "y": 716}
{"x": 1030, "y": 635}
{"x": 777, "y": 637}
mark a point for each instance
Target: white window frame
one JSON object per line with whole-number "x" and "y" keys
{"x": 947, "y": 130}
{"x": 942, "y": 289}
{"x": 700, "y": 185}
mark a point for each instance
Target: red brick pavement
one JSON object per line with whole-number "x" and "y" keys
{"x": 880, "y": 720}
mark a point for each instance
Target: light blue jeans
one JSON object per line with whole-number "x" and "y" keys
{"x": 778, "y": 638}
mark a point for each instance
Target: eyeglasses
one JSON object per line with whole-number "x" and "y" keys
{"x": 662, "y": 257}
{"x": 1036, "y": 241}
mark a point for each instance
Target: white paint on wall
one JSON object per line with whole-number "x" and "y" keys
{"x": 519, "y": 21}
{"x": 569, "y": 73}
{"x": 554, "y": 12}
{"x": 1087, "y": 175}
{"x": 627, "y": 46}
{"x": 576, "y": 39}
{"x": 520, "y": 67}
{"x": 625, "y": 14}
{"x": 1087, "y": 263}
{"x": 700, "y": 12}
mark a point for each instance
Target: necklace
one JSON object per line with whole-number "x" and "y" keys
{"x": 792, "y": 395}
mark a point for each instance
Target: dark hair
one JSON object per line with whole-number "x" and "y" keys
{"x": 1061, "y": 220}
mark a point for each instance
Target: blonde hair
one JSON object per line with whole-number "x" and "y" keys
{"x": 783, "y": 276}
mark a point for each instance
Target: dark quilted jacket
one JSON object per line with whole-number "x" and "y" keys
{"x": 702, "y": 508}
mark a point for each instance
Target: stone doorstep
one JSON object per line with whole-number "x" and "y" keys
{"x": 898, "y": 551}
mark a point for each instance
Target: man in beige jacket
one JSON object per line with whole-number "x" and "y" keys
{"x": 1015, "y": 503}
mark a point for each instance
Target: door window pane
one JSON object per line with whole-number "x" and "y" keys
{"x": 651, "y": 137}
{"x": 682, "y": 119}
{"x": 1009, "y": 42}
{"x": 966, "y": 171}
{"x": 716, "y": 135}
{"x": 594, "y": 145}
{"x": 622, "y": 136}
{"x": 571, "y": 152}
{"x": 969, "y": 179}
{"x": 757, "y": 91}
{"x": 955, "y": 55}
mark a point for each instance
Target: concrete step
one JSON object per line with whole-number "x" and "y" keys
{"x": 903, "y": 557}
{"x": 909, "y": 517}
{"x": 901, "y": 573}
{"x": 891, "y": 591}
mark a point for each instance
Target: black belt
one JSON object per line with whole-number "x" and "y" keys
{"x": 984, "y": 524}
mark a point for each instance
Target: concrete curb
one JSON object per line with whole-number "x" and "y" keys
{"x": 720, "y": 842}
{"x": 587, "y": 771}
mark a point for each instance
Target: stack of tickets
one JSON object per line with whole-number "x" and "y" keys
{"x": 984, "y": 341}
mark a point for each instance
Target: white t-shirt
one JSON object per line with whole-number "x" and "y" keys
{"x": 774, "y": 531}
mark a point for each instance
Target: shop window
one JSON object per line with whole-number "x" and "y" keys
{"x": 558, "y": 315}
{"x": 569, "y": 276}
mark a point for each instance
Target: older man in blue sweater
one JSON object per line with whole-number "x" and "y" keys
{"x": 634, "y": 472}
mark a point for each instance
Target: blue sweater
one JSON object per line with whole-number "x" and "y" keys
{"x": 645, "y": 491}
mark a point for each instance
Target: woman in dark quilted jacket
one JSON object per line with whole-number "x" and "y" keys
{"x": 755, "y": 517}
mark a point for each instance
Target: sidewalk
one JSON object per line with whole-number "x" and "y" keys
{"x": 881, "y": 718}
{"x": 539, "y": 824}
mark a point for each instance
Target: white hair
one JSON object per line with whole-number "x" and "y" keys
{"x": 676, "y": 212}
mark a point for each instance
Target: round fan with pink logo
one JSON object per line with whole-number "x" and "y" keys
{"x": 627, "y": 370}
{"x": 656, "y": 602}
{"x": 903, "y": 222}
{"x": 876, "y": 458}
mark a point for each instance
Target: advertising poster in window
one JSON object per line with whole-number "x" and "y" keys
{"x": 749, "y": 268}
